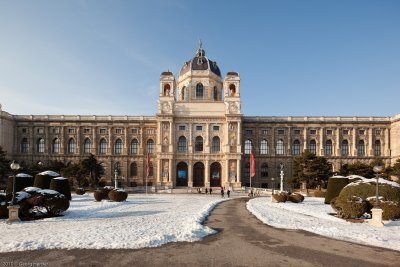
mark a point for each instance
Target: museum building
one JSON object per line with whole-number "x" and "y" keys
{"x": 199, "y": 137}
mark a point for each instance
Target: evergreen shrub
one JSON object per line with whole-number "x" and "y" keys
{"x": 351, "y": 208}
{"x": 61, "y": 185}
{"x": 21, "y": 181}
{"x": 80, "y": 191}
{"x": 296, "y": 198}
{"x": 335, "y": 185}
{"x": 118, "y": 195}
{"x": 280, "y": 197}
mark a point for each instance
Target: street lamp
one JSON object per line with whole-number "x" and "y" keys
{"x": 377, "y": 211}
{"x": 115, "y": 177}
{"x": 377, "y": 170}
{"x": 13, "y": 209}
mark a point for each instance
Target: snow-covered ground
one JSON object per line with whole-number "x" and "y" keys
{"x": 313, "y": 216}
{"x": 141, "y": 221}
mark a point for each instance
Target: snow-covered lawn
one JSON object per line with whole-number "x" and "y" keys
{"x": 313, "y": 215}
{"x": 141, "y": 221}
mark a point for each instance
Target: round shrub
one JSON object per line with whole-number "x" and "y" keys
{"x": 280, "y": 197}
{"x": 80, "y": 191}
{"x": 98, "y": 195}
{"x": 118, "y": 195}
{"x": 335, "y": 185}
{"x": 391, "y": 209}
{"x": 365, "y": 190}
{"x": 56, "y": 204}
{"x": 61, "y": 185}
{"x": 296, "y": 198}
{"x": 22, "y": 180}
{"x": 351, "y": 208}
{"x": 319, "y": 193}
{"x": 106, "y": 190}
{"x": 43, "y": 179}
{"x": 3, "y": 207}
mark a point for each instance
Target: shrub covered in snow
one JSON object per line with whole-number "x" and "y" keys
{"x": 43, "y": 179}
{"x": 3, "y": 206}
{"x": 391, "y": 209}
{"x": 80, "y": 191}
{"x": 118, "y": 195}
{"x": 350, "y": 208}
{"x": 98, "y": 195}
{"x": 21, "y": 181}
{"x": 296, "y": 198}
{"x": 61, "y": 185}
{"x": 280, "y": 197}
{"x": 335, "y": 185}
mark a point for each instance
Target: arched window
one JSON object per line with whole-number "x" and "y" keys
{"x": 232, "y": 90}
{"x": 150, "y": 146}
{"x": 183, "y": 93}
{"x": 87, "y": 146}
{"x": 264, "y": 147}
{"x": 182, "y": 145}
{"x": 118, "y": 147}
{"x": 215, "y": 93}
{"x": 345, "y": 147}
{"x": 280, "y": 147}
{"x": 328, "y": 148}
{"x": 40, "y": 145}
{"x": 215, "y": 147}
{"x": 312, "y": 147}
{"x": 247, "y": 147}
{"x": 199, "y": 90}
{"x": 361, "y": 148}
{"x": 133, "y": 171}
{"x": 56, "y": 146}
{"x": 264, "y": 170}
{"x": 103, "y": 146}
{"x": 24, "y": 145}
{"x": 198, "y": 145}
{"x": 71, "y": 146}
{"x": 377, "y": 148}
{"x": 167, "y": 89}
{"x": 134, "y": 146}
{"x": 296, "y": 147}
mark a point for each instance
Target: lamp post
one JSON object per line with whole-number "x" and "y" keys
{"x": 115, "y": 177}
{"x": 377, "y": 211}
{"x": 13, "y": 209}
{"x": 281, "y": 166}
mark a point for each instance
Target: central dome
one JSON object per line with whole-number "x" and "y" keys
{"x": 200, "y": 62}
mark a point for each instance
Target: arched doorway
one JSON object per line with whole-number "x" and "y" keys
{"x": 215, "y": 174}
{"x": 198, "y": 174}
{"x": 182, "y": 174}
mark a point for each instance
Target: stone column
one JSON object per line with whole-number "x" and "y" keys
{"x": 158, "y": 173}
{"x": 207, "y": 173}
{"x": 353, "y": 149}
{"x": 225, "y": 174}
{"x": 170, "y": 171}
{"x": 370, "y": 151}
{"x": 338, "y": 144}
{"x": 190, "y": 173}
{"x": 321, "y": 142}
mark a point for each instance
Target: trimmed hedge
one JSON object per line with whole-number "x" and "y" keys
{"x": 351, "y": 208}
{"x": 98, "y": 195}
{"x": 43, "y": 181}
{"x": 80, "y": 191}
{"x": 335, "y": 185}
{"x": 280, "y": 197}
{"x": 117, "y": 195}
{"x": 391, "y": 209}
{"x": 296, "y": 198}
{"x": 61, "y": 185}
{"x": 20, "y": 183}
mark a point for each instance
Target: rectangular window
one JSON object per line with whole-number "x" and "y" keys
{"x": 199, "y": 128}
{"x": 71, "y": 130}
{"x": 280, "y": 131}
{"x": 313, "y": 131}
{"x": 378, "y": 132}
{"x": 40, "y": 130}
{"x": 86, "y": 131}
{"x": 150, "y": 131}
{"x": 118, "y": 131}
{"x": 329, "y": 132}
{"x": 297, "y": 131}
{"x": 24, "y": 130}
{"x": 103, "y": 131}
{"x": 56, "y": 130}
{"x": 134, "y": 130}
{"x": 215, "y": 128}
{"x": 361, "y": 132}
{"x": 264, "y": 132}
{"x": 345, "y": 132}
{"x": 248, "y": 132}
{"x": 182, "y": 127}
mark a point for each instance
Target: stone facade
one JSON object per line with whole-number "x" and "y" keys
{"x": 199, "y": 137}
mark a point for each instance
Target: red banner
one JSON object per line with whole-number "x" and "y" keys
{"x": 252, "y": 164}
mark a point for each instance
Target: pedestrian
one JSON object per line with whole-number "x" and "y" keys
{"x": 206, "y": 191}
{"x": 222, "y": 192}
{"x": 228, "y": 193}
{"x": 210, "y": 190}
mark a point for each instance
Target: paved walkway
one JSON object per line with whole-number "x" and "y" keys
{"x": 242, "y": 241}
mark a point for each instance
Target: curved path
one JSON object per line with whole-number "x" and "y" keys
{"x": 242, "y": 241}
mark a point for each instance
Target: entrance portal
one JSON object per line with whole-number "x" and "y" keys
{"x": 198, "y": 174}
{"x": 215, "y": 174}
{"x": 182, "y": 174}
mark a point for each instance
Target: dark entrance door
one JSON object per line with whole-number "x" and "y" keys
{"x": 181, "y": 174}
{"x": 198, "y": 174}
{"x": 215, "y": 175}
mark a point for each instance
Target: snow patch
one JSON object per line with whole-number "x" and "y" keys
{"x": 49, "y": 173}
{"x": 23, "y": 175}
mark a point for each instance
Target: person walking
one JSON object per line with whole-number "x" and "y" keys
{"x": 210, "y": 190}
{"x": 206, "y": 191}
{"x": 222, "y": 192}
{"x": 228, "y": 193}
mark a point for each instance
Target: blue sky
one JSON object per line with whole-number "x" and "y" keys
{"x": 295, "y": 58}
